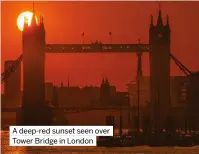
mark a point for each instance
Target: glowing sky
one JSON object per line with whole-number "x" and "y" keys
{"x": 128, "y": 21}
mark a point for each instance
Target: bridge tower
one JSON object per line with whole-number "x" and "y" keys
{"x": 159, "y": 40}
{"x": 34, "y": 109}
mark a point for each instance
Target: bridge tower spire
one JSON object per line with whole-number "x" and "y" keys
{"x": 33, "y": 8}
{"x": 159, "y": 21}
{"x": 33, "y": 20}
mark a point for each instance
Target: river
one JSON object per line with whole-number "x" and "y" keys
{"x": 6, "y": 149}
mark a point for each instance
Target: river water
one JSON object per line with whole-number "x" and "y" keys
{"x": 6, "y": 149}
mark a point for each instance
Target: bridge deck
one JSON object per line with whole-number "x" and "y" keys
{"x": 95, "y": 48}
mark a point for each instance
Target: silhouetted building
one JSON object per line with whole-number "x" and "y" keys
{"x": 119, "y": 99}
{"x": 179, "y": 90}
{"x": 12, "y": 87}
{"x": 106, "y": 92}
{"x": 69, "y": 97}
{"x": 185, "y": 98}
{"x": 77, "y": 97}
{"x": 192, "y": 106}
{"x": 179, "y": 86}
{"x": 90, "y": 94}
{"x": 144, "y": 83}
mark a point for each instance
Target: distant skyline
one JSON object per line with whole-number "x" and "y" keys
{"x": 127, "y": 21}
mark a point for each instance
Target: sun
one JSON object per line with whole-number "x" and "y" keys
{"x": 20, "y": 20}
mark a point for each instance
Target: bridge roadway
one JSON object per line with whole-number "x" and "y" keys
{"x": 74, "y": 109}
{"x": 95, "y": 48}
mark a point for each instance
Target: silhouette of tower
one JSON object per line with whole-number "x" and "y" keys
{"x": 105, "y": 91}
{"x": 34, "y": 108}
{"x": 159, "y": 40}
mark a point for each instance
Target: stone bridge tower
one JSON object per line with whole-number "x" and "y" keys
{"x": 34, "y": 108}
{"x": 159, "y": 40}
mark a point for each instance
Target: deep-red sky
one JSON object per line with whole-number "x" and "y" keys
{"x": 128, "y": 21}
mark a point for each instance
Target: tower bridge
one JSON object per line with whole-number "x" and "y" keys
{"x": 35, "y": 112}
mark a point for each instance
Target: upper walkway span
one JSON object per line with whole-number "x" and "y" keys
{"x": 95, "y": 48}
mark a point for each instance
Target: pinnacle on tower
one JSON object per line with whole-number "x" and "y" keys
{"x": 25, "y": 22}
{"x": 159, "y": 22}
{"x": 33, "y": 8}
{"x": 167, "y": 20}
{"x": 107, "y": 82}
{"x": 33, "y": 21}
{"x": 103, "y": 81}
{"x": 41, "y": 19}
